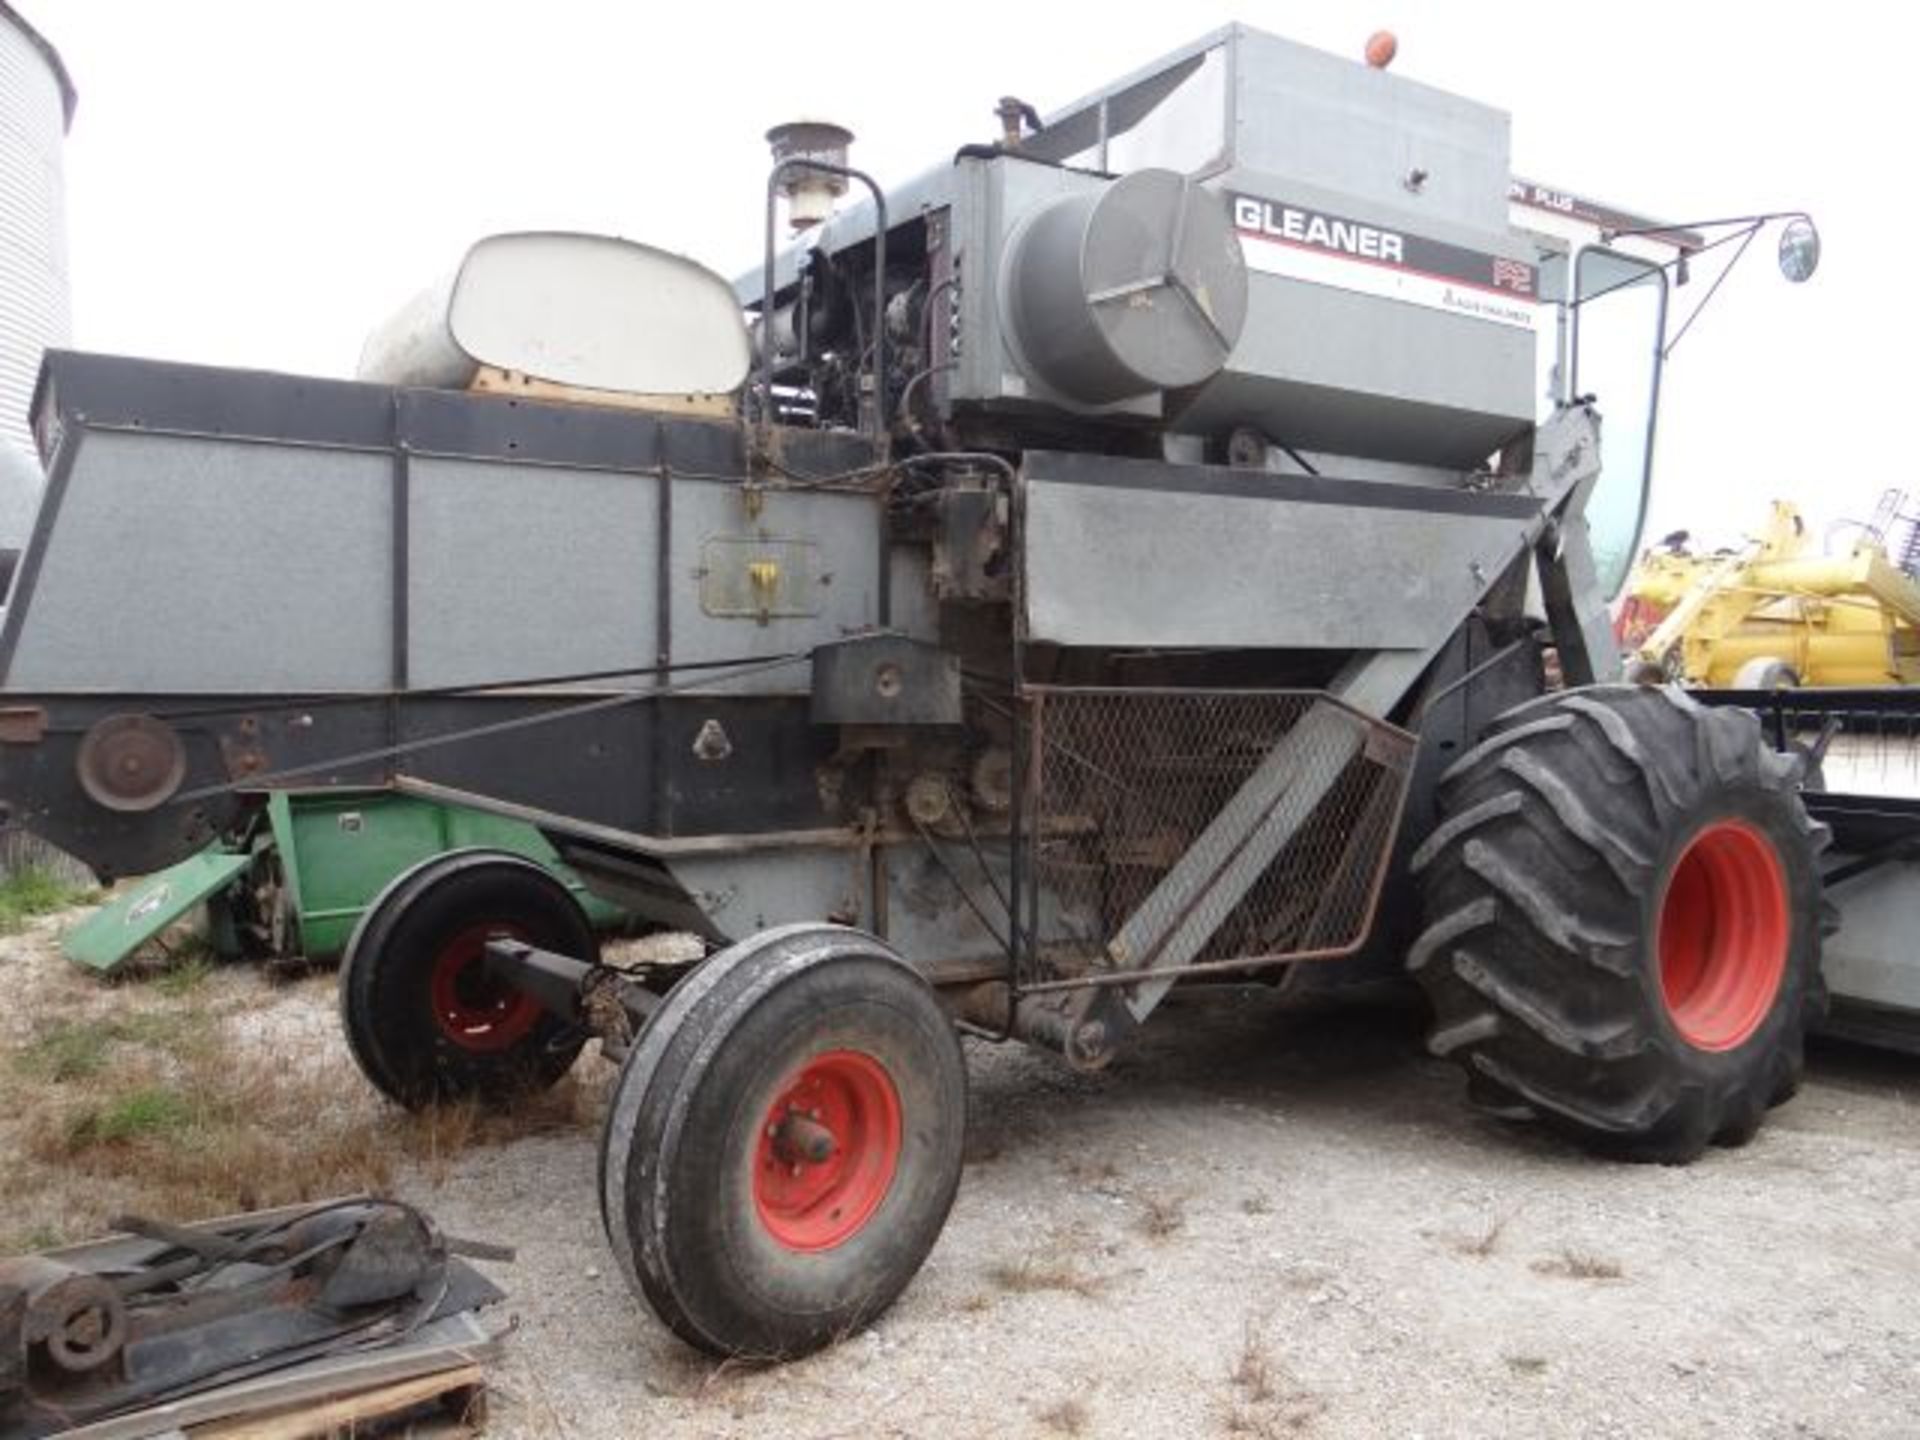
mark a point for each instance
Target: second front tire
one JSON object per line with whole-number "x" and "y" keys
{"x": 784, "y": 1142}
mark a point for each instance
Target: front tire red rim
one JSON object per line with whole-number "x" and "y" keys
{"x": 827, "y": 1151}
{"x": 473, "y": 1010}
{"x": 1724, "y": 931}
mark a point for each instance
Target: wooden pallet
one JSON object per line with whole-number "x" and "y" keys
{"x": 449, "y": 1402}
{"x": 437, "y": 1374}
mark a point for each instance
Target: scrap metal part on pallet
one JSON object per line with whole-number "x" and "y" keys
{"x": 166, "y": 1312}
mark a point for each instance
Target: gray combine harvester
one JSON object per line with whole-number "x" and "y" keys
{"x": 1168, "y": 542}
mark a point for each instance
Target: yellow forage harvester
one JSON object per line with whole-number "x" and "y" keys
{"x": 1774, "y": 612}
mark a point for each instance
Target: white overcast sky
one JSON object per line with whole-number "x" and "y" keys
{"x": 257, "y": 183}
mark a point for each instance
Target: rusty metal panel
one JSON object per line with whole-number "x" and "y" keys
{"x": 885, "y": 679}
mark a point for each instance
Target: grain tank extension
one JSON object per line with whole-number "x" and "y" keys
{"x": 1156, "y": 545}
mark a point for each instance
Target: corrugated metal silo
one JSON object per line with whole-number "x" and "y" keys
{"x": 36, "y": 103}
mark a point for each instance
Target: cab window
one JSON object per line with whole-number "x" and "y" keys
{"x": 1620, "y": 318}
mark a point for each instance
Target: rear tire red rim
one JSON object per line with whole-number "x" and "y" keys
{"x": 1724, "y": 930}
{"x": 842, "y": 1102}
{"x": 473, "y": 1010}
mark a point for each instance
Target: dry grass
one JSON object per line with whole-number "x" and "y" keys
{"x": 1097, "y": 1173}
{"x": 1572, "y": 1264}
{"x": 153, "y": 1114}
{"x": 1037, "y": 1273}
{"x": 176, "y": 961}
{"x": 1161, "y": 1215}
{"x": 69, "y": 1050}
{"x": 1268, "y": 1424}
{"x": 191, "y": 967}
{"x": 178, "y": 1099}
{"x": 1265, "y": 1401}
{"x": 1252, "y": 1372}
{"x": 1069, "y": 1417}
{"x": 435, "y": 1137}
{"x": 1482, "y": 1245}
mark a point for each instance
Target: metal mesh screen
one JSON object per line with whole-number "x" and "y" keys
{"x": 1177, "y": 827}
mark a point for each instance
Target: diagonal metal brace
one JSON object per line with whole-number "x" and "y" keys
{"x": 1175, "y": 922}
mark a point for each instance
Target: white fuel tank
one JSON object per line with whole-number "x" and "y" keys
{"x": 586, "y": 311}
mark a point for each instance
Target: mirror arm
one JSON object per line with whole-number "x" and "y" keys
{"x": 1607, "y": 237}
{"x": 1652, "y": 265}
{"x": 1748, "y": 227}
{"x": 1713, "y": 289}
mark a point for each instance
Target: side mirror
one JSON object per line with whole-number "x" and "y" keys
{"x": 1799, "y": 249}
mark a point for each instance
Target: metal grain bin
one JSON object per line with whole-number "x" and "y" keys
{"x": 36, "y": 104}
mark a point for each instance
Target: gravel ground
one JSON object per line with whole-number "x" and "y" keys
{"x": 1266, "y": 1223}
{"x": 1262, "y": 1222}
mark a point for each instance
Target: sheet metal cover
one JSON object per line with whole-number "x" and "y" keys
{"x": 598, "y": 312}
{"x": 106, "y": 938}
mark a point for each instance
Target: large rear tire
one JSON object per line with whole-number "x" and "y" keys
{"x": 423, "y": 1020}
{"x": 784, "y": 1143}
{"x": 1623, "y": 920}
